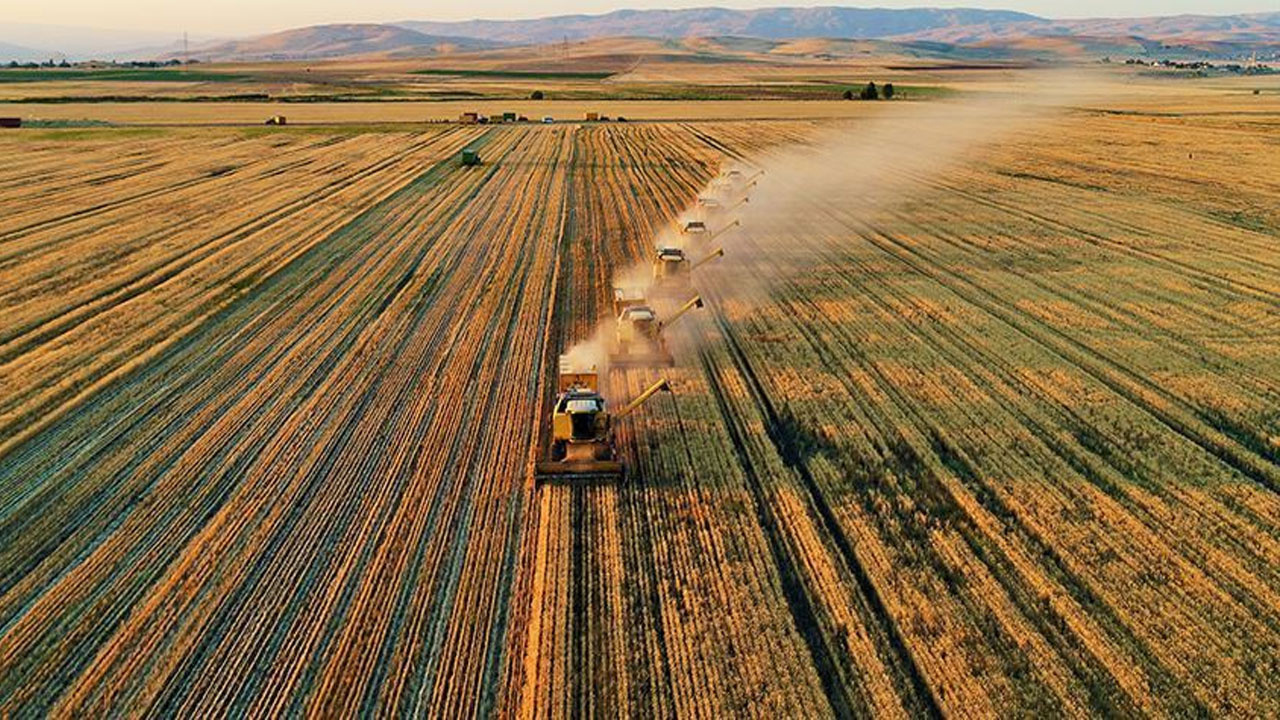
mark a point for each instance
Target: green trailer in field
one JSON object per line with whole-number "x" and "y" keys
{"x": 470, "y": 156}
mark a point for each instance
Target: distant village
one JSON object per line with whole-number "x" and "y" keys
{"x": 1253, "y": 67}
{"x": 14, "y": 64}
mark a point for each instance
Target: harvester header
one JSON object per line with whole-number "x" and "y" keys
{"x": 578, "y": 375}
{"x": 625, "y": 297}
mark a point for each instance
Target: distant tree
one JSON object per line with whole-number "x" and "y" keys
{"x": 64, "y": 63}
{"x": 13, "y": 63}
{"x": 888, "y": 91}
{"x": 537, "y": 95}
{"x": 848, "y": 95}
{"x": 870, "y": 92}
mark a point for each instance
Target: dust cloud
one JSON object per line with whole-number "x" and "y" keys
{"x": 869, "y": 168}
{"x": 863, "y": 167}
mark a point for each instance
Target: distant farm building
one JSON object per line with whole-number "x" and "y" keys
{"x": 593, "y": 117}
{"x": 469, "y": 118}
{"x": 277, "y": 120}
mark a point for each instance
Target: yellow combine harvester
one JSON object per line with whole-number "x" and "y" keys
{"x": 638, "y": 337}
{"x": 582, "y": 428}
{"x": 672, "y": 270}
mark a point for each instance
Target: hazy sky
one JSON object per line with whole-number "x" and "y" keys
{"x": 222, "y": 17}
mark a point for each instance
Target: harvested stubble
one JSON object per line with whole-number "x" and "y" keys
{"x": 1009, "y": 447}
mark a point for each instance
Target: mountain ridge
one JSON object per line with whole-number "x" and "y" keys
{"x": 768, "y": 23}
{"x": 1232, "y": 35}
{"x": 336, "y": 40}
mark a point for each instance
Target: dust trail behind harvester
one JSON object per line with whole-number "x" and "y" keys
{"x": 861, "y": 168}
{"x": 866, "y": 168}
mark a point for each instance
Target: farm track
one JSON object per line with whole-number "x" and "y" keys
{"x": 1006, "y": 446}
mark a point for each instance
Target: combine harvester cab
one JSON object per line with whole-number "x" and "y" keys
{"x": 694, "y": 227}
{"x": 582, "y": 429}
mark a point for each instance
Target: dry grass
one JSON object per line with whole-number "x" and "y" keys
{"x": 268, "y": 402}
{"x": 354, "y": 113}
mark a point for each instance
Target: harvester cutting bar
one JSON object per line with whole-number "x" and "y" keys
{"x": 654, "y": 358}
{"x": 579, "y": 471}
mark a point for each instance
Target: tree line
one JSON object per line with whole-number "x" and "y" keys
{"x": 871, "y": 92}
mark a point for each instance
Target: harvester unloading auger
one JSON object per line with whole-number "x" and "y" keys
{"x": 723, "y": 230}
{"x": 582, "y": 428}
{"x": 638, "y": 337}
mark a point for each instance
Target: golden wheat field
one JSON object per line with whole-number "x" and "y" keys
{"x": 999, "y": 436}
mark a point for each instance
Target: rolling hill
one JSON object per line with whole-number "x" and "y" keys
{"x": 771, "y": 23}
{"x": 1261, "y": 27}
{"x": 343, "y": 40}
{"x": 10, "y": 52}
{"x": 988, "y": 30}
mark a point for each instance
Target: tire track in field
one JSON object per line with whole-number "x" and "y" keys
{"x": 1139, "y": 391}
{"x": 13, "y": 342}
{"x": 1088, "y": 599}
{"x": 339, "y": 351}
{"x": 1171, "y": 264}
{"x": 17, "y": 233}
{"x": 912, "y": 688}
{"x": 1093, "y": 671}
{"x": 68, "y": 393}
